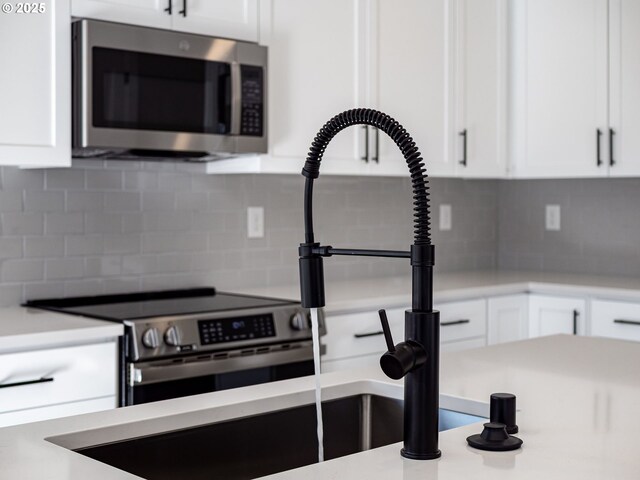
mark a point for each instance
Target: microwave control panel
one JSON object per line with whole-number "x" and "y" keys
{"x": 252, "y": 101}
{"x": 236, "y": 329}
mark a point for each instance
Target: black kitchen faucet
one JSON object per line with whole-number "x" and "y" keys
{"x": 417, "y": 358}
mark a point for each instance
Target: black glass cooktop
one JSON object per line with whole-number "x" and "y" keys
{"x": 155, "y": 304}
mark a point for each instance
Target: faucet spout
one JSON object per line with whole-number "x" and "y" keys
{"x": 417, "y": 358}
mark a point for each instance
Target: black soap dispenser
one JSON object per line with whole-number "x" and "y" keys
{"x": 497, "y": 433}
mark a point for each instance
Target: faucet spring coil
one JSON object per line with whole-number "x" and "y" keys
{"x": 404, "y": 141}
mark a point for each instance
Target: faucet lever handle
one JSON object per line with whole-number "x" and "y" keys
{"x": 391, "y": 347}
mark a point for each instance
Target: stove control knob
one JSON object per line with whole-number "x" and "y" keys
{"x": 150, "y": 338}
{"x": 172, "y": 336}
{"x": 300, "y": 321}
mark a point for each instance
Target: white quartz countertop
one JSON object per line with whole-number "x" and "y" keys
{"x": 396, "y": 291}
{"x": 30, "y": 328}
{"x": 578, "y": 400}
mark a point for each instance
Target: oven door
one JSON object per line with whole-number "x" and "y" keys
{"x": 154, "y": 90}
{"x": 165, "y": 379}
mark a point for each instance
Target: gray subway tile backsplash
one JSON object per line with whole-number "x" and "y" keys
{"x": 106, "y": 227}
{"x": 600, "y": 226}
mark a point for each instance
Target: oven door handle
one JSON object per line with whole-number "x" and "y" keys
{"x": 159, "y": 371}
{"x": 236, "y": 98}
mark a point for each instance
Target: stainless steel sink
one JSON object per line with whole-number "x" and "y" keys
{"x": 266, "y": 443}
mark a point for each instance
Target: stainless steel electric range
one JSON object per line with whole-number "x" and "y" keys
{"x": 185, "y": 342}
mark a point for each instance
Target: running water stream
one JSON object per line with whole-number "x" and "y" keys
{"x": 315, "y": 333}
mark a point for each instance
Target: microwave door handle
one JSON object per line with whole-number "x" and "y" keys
{"x": 236, "y": 98}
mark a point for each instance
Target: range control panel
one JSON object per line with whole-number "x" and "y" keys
{"x": 221, "y": 330}
{"x": 252, "y": 100}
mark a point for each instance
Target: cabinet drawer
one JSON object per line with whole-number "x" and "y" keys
{"x": 59, "y": 375}
{"x": 356, "y": 334}
{"x": 462, "y": 320}
{"x": 57, "y": 411}
{"x": 615, "y": 319}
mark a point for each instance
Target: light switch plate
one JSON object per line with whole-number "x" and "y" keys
{"x": 445, "y": 217}
{"x": 552, "y": 217}
{"x": 255, "y": 222}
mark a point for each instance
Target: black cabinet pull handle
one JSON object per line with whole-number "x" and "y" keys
{"x": 27, "y": 382}
{"x": 368, "y": 334}
{"x": 455, "y": 322}
{"x": 463, "y": 134}
{"x": 365, "y": 157}
{"x": 612, "y": 134}
{"x": 169, "y": 8}
{"x": 576, "y": 313}
{"x": 375, "y": 157}
{"x": 627, "y": 322}
{"x": 183, "y": 12}
{"x": 598, "y": 136}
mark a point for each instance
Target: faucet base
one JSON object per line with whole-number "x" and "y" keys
{"x": 420, "y": 456}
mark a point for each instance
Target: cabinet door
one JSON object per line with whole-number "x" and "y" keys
{"x": 624, "y": 153}
{"x": 35, "y": 86}
{"x": 147, "y": 13}
{"x": 408, "y": 77}
{"x": 237, "y": 19}
{"x": 507, "y": 319}
{"x": 559, "y": 94}
{"x": 313, "y": 74}
{"x": 481, "y": 86}
{"x": 615, "y": 319}
{"x": 553, "y": 315}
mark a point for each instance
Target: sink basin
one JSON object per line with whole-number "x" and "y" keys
{"x": 265, "y": 443}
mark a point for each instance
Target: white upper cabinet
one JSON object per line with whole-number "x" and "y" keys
{"x": 313, "y": 75}
{"x": 559, "y": 88}
{"x": 35, "y": 86}
{"x": 237, "y": 19}
{"x": 481, "y": 88}
{"x": 147, "y": 13}
{"x": 327, "y": 56}
{"x": 624, "y": 153}
{"x": 408, "y": 78}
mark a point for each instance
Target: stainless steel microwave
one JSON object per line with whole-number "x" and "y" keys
{"x": 144, "y": 92}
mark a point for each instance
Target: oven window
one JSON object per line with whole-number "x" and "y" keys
{"x": 143, "y": 91}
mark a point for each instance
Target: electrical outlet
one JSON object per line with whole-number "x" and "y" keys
{"x": 552, "y": 217}
{"x": 445, "y": 217}
{"x": 255, "y": 222}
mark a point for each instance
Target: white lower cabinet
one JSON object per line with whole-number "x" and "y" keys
{"x": 358, "y": 335}
{"x": 516, "y": 317}
{"x": 553, "y": 315}
{"x": 615, "y": 319}
{"x": 49, "y": 383}
{"x": 355, "y": 340}
{"x": 507, "y": 318}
